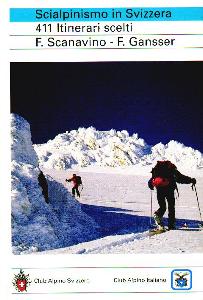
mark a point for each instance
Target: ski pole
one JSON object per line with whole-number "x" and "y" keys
{"x": 177, "y": 195}
{"x": 151, "y": 198}
{"x": 194, "y": 188}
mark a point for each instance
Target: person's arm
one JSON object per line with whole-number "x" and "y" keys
{"x": 180, "y": 178}
{"x": 69, "y": 180}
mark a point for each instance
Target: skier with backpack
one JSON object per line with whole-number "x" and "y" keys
{"x": 77, "y": 181}
{"x": 165, "y": 177}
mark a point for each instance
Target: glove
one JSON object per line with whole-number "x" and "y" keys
{"x": 150, "y": 184}
{"x": 193, "y": 181}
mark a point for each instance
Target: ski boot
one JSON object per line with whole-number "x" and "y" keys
{"x": 158, "y": 222}
{"x": 174, "y": 228}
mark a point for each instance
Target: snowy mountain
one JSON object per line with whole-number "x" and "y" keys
{"x": 114, "y": 211}
{"x": 37, "y": 225}
{"x": 85, "y": 147}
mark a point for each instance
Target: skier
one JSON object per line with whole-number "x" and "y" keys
{"x": 43, "y": 183}
{"x": 164, "y": 178}
{"x": 76, "y": 180}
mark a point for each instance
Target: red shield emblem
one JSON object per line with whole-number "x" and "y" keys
{"x": 21, "y": 284}
{"x": 21, "y": 281}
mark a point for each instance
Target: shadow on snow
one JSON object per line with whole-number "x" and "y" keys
{"x": 117, "y": 221}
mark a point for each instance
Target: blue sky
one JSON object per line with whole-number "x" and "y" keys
{"x": 160, "y": 101}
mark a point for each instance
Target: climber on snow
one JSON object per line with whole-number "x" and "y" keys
{"x": 77, "y": 181}
{"x": 165, "y": 177}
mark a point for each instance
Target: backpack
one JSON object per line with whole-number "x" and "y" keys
{"x": 79, "y": 180}
{"x": 163, "y": 174}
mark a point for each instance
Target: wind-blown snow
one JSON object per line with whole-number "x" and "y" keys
{"x": 89, "y": 147}
{"x": 37, "y": 225}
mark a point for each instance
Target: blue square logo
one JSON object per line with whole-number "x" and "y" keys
{"x": 181, "y": 279}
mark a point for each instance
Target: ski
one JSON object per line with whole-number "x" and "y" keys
{"x": 155, "y": 231}
{"x": 186, "y": 227}
{"x": 190, "y": 228}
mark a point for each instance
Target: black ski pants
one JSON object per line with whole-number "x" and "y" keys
{"x": 75, "y": 190}
{"x": 164, "y": 194}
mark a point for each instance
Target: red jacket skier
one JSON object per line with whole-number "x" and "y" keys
{"x": 76, "y": 180}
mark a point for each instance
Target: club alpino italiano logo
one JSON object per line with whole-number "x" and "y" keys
{"x": 21, "y": 281}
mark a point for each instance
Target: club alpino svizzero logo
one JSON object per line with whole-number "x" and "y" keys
{"x": 21, "y": 281}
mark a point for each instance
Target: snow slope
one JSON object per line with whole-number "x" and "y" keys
{"x": 120, "y": 204}
{"x": 89, "y": 147}
{"x": 37, "y": 225}
{"x": 173, "y": 242}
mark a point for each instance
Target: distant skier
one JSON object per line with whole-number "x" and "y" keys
{"x": 77, "y": 181}
{"x": 164, "y": 178}
{"x": 43, "y": 183}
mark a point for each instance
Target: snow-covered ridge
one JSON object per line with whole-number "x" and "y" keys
{"x": 37, "y": 225}
{"x": 88, "y": 146}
